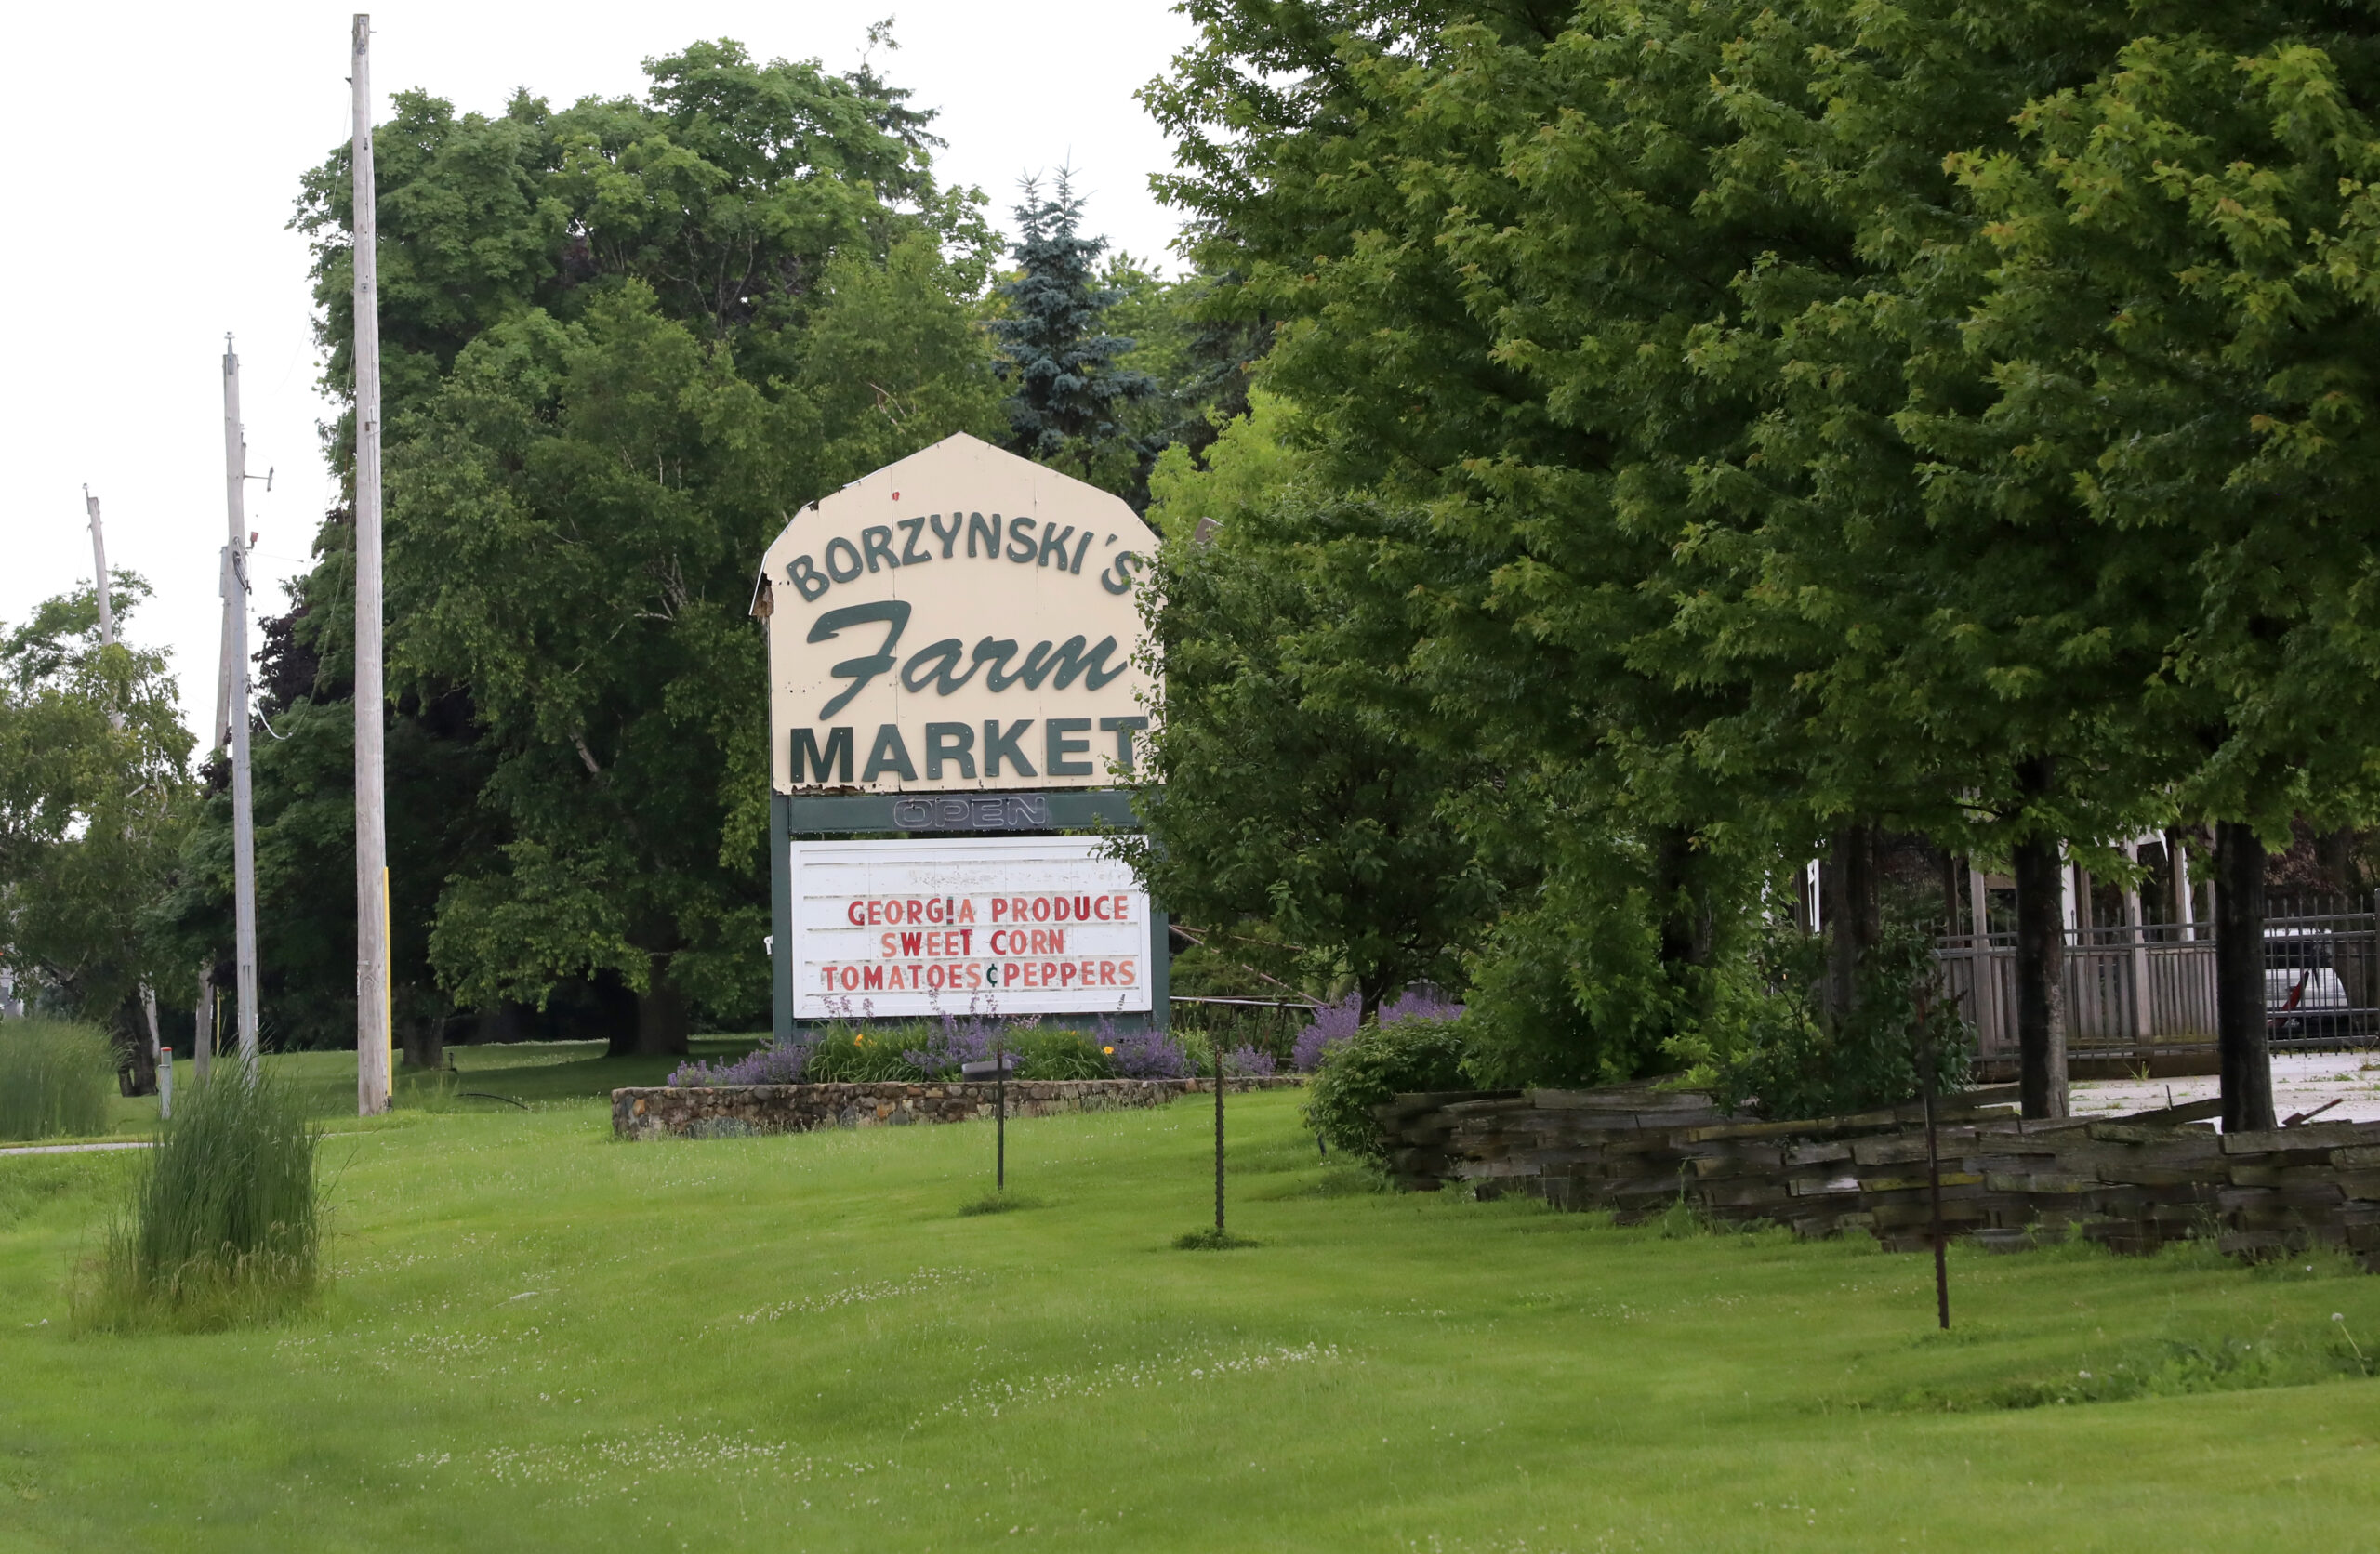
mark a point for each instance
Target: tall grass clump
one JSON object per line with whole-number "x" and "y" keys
{"x": 54, "y": 1079}
{"x": 224, "y": 1225}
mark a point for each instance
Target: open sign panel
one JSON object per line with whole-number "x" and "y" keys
{"x": 1009, "y": 924}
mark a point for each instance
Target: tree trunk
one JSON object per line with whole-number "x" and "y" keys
{"x": 2242, "y": 1048}
{"x": 2334, "y": 854}
{"x": 202, "y": 1041}
{"x": 661, "y": 1016}
{"x": 137, "y": 1070}
{"x": 2041, "y": 976}
{"x": 425, "y": 1041}
{"x": 1853, "y": 914}
{"x": 2040, "y": 955}
{"x": 1686, "y": 926}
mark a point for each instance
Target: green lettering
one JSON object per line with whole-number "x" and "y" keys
{"x": 1069, "y": 661}
{"x": 1122, "y": 566}
{"x": 998, "y": 746}
{"x": 894, "y": 612}
{"x": 988, "y": 529}
{"x": 1056, "y": 746}
{"x": 888, "y": 753}
{"x": 996, "y": 651}
{"x": 1020, "y": 541}
{"x": 949, "y": 742}
{"x": 808, "y": 757}
{"x": 877, "y": 539}
{"x": 1123, "y": 729}
{"x": 933, "y": 664}
{"x": 804, "y": 575}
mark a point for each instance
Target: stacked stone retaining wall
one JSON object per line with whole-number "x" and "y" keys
{"x": 700, "y": 1109}
{"x": 2133, "y": 1183}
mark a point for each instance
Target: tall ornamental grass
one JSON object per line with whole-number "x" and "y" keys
{"x": 54, "y": 1079}
{"x": 224, "y": 1225}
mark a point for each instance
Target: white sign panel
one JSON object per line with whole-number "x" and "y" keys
{"x": 1007, "y": 925}
{"x": 963, "y": 619}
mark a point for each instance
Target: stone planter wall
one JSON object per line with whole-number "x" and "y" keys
{"x": 716, "y": 1110}
{"x": 2133, "y": 1183}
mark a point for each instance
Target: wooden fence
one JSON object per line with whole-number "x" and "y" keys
{"x": 2143, "y": 993}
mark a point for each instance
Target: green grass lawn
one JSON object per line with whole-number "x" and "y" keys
{"x": 539, "y": 1338}
{"x": 530, "y": 1071}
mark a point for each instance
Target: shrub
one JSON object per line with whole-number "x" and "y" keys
{"x": 841, "y": 1054}
{"x": 224, "y": 1224}
{"x": 1060, "y": 1054}
{"x": 1770, "y": 1044}
{"x": 54, "y": 1079}
{"x": 1249, "y": 1060}
{"x": 1378, "y": 1062}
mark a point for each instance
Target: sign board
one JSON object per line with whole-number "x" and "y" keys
{"x": 963, "y": 620}
{"x": 989, "y": 926}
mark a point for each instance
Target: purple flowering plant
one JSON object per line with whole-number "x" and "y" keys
{"x": 1141, "y": 1053}
{"x": 1247, "y": 1062}
{"x": 777, "y": 1063}
{"x": 1333, "y": 1023}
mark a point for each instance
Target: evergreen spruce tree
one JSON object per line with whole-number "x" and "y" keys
{"x": 1069, "y": 395}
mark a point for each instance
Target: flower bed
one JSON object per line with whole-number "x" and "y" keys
{"x": 700, "y": 1110}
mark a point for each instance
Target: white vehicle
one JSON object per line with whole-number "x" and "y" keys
{"x": 2303, "y": 996}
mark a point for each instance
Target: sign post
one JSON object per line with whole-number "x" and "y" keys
{"x": 954, "y": 684}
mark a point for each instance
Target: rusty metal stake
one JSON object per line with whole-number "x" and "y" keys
{"x": 1933, "y": 1165}
{"x": 1218, "y": 1139}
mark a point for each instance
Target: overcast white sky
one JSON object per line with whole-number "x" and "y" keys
{"x": 158, "y": 158}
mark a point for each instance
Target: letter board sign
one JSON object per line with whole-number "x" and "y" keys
{"x": 995, "y": 924}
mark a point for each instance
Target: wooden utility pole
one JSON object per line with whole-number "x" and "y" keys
{"x": 235, "y": 604}
{"x": 144, "y": 1068}
{"x": 100, "y": 574}
{"x": 372, "y": 989}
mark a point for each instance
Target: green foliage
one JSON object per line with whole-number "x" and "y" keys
{"x": 1246, "y": 468}
{"x": 622, "y": 341}
{"x": 1772, "y": 1044}
{"x": 1068, "y": 395}
{"x": 1053, "y": 1052}
{"x": 1312, "y": 836}
{"x": 225, "y": 1221}
{"x": 1375, "y": 1065}
{"x": 843, "y": 1054}
{"x": 1773, "y": 421}
{"x": 95, "y": 797}
{"x": 727, "y": 191}
{"x": 54, "y": 1079}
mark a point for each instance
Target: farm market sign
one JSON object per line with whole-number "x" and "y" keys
{"x": 961, "y": 620}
